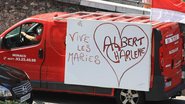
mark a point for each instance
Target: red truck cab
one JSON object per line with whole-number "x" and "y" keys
{"x": 44, "y": 59}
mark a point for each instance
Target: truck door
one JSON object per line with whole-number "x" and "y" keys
{"x": 23, "y": 48}
{"x": 171, "y": 55}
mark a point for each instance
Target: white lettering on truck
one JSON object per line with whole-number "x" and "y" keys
{"x": 172, "y": 39}
{"x": 20, "y": 57}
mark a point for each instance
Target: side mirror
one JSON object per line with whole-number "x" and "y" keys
{"x": 3, "y": 45}
{"x": 1, "y": 41}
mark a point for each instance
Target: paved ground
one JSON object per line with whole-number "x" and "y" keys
{"x": 64, "y": 98}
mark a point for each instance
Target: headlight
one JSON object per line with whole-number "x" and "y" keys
{"x": 4, "y": 92}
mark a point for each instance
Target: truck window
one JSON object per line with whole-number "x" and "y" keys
{"x": 25, "y": 35}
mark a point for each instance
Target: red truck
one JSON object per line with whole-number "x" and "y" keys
{"x": 43, "y": 58}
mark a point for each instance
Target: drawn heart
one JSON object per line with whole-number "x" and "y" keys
{"x": 121, "y": 50}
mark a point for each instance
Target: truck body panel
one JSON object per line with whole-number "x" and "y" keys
{"x": 45, "y": 61}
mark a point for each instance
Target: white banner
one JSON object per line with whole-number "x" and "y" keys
{"x": 165, "y": 15}
{"x": 168, "y": 11}
{"x": 108, "y": 54}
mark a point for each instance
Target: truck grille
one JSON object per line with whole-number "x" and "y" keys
{"x": 22, "y": 89}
